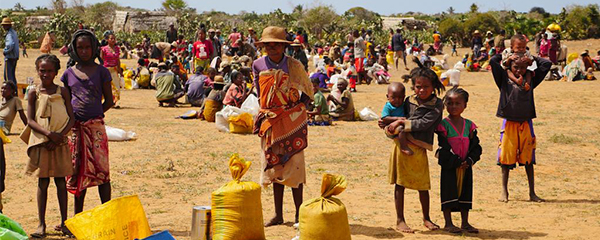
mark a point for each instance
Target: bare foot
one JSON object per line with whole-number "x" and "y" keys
{"x": 66, "y": 232}
{"x": 430, "y": 225}
{"x": 274, "y": 221}
{"x": 469, "y": 228}
{"x": 40, "y": 232}
{"x": 535, "y": 198}
{"x": 402, "y": 227}
{"x": 504, "y": 197}
{"x": 452, "y": 229}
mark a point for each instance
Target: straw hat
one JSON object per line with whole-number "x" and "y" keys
{"x": 219, "y": 80}
{"x": 273, "y": 34}
{"x": 476, "y": 32}
{"x": 489, "y": 32}
{"x": 211, "y": 30}
{"x": 250, "y": 29}
{"x": 6, "y": 21}
{"x": 483, "y": 49}
{"x": 218, "y": 30}
{"x": 296, "y": 43}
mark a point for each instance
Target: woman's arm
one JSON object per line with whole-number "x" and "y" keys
{"x": 67, "y": 97}
{"x": 108, "y": 97}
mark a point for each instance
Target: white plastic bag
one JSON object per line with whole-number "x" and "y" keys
{"x": 251, "y": 105}
{"x": 222, "y": 117}
{"x": 134, "y": 84}
{"x": 454, "y": 75}
{"x": 459, "y": 65}
{"x": 116, "y": 134}
{"x": 368, "y": 115}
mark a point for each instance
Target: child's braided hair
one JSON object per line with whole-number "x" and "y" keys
{"x": 424, "y": 72}
{"x": 48, "y": 58}
{"x": 458, "y": 92}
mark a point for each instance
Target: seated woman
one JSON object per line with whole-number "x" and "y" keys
{"x": 168, "y": 87}
{"x": 214, "y": 101}
{"x": 379, "y": 73}
{"x": 237, "y": 92}
{"x": 323, "y": 78}
{"x": 341, "y": 103}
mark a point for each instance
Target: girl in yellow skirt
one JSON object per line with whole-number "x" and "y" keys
{"x": 424, "y": 112}
{"x": 50, "y": 117}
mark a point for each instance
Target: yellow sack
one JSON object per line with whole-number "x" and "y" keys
{"x": 4, "y": 138}
{"x": 242, "y": 123}
{"x": 121, "y": 219}
{"x": 127, "y": 75}
{"x": 572, "y": 57}
{"x": 325, "y": 217}
{"x": 236, "y": 207}
{"x": 390, "y": 57}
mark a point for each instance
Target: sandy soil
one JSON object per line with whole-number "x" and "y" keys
{"x": 567, "y": 171}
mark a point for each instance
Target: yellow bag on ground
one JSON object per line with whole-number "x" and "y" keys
{"x": 325, "y": 217}
{"x": 4, "y": 138}
{"x": 242, "y": 123}
{"x": 127, "y": 75}
{"x": 119, "y": 219}
{"x": 389, "y": 57}
{"x": 236, "y": 212}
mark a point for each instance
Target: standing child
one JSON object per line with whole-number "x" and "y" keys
{"x": 424, "y": 111}
{"x": 89, "y": 86}
{"x": 50, "y": 119}
{"x": 458, "y": 151}
{"x": 10, "y": 106}
{"x": 24, "y": 46}
{"x": 453, "y": 47}
{"x": 393, "y": 111}
{"x": 517, "y": 109}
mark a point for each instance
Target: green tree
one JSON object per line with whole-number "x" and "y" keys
{"x": 450, "y": 27}
{"x": 482, "y": 22}
{"x": 451, "y": 10}
{"x": 320, "y": 21}
{"x": 174, "y": 6}
{"x": 101, "y": 15}
{"x": 59, "y": 6}
{"x": 474, "y": 8}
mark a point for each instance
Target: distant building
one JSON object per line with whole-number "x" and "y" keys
{"x": 140, "y": 21}
{"x": 408, "y": 23}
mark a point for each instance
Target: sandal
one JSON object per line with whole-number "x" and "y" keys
{"x": 38, "y": 235}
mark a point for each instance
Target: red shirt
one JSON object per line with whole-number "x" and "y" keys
{"x": 233, "y": 37}
{"x": 203, "y": 49}
{"x": 300, "y": 38}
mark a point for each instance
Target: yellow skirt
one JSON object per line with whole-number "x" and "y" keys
{"x": 411, "y": 172}
{"x": 116, "y": 84}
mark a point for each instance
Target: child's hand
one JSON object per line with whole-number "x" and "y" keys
{"x": 51, "y": 146}
{"x": 381, "y": 124}
{"x": 464, "y": 165}
{"x": 56, "y": 138}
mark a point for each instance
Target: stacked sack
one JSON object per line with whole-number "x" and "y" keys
{"x": 325, "y": 217}
{"x": 236, "y": 210}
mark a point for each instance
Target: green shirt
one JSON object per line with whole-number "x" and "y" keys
{"x": 321, "y": 102}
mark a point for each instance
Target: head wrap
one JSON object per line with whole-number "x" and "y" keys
{"x": 73, "y": 49}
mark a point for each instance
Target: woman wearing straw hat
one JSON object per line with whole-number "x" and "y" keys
{"x": 11, "y": 51}
{"x": 477, "y": 43}
{"x": 284, "y": 91}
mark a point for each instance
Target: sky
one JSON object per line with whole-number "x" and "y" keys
{"x": 383, "y": 7}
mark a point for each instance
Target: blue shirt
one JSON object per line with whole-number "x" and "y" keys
{"x": 322, "y": 79}
{"x": 11, "y": 49}
{"x": 390, "y": 111}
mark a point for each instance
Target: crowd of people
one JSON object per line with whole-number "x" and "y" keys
{"x": 212, "y": 71}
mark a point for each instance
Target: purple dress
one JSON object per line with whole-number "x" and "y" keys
{"x": 86, "y": 94}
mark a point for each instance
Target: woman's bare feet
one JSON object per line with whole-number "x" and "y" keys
{"x": 274, "y": 221}
{"x": 534, "y": 198}
{"x": 402, "y": 227}
{"x": 504, "y": 197}
{"x": 430, "y": 225}
{"x": 66, "y": 232}
{"x": 469, "y": 228}
{"x": 452, "y": 229}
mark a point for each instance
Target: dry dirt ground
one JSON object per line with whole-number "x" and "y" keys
{"x": 567, "y": 172}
